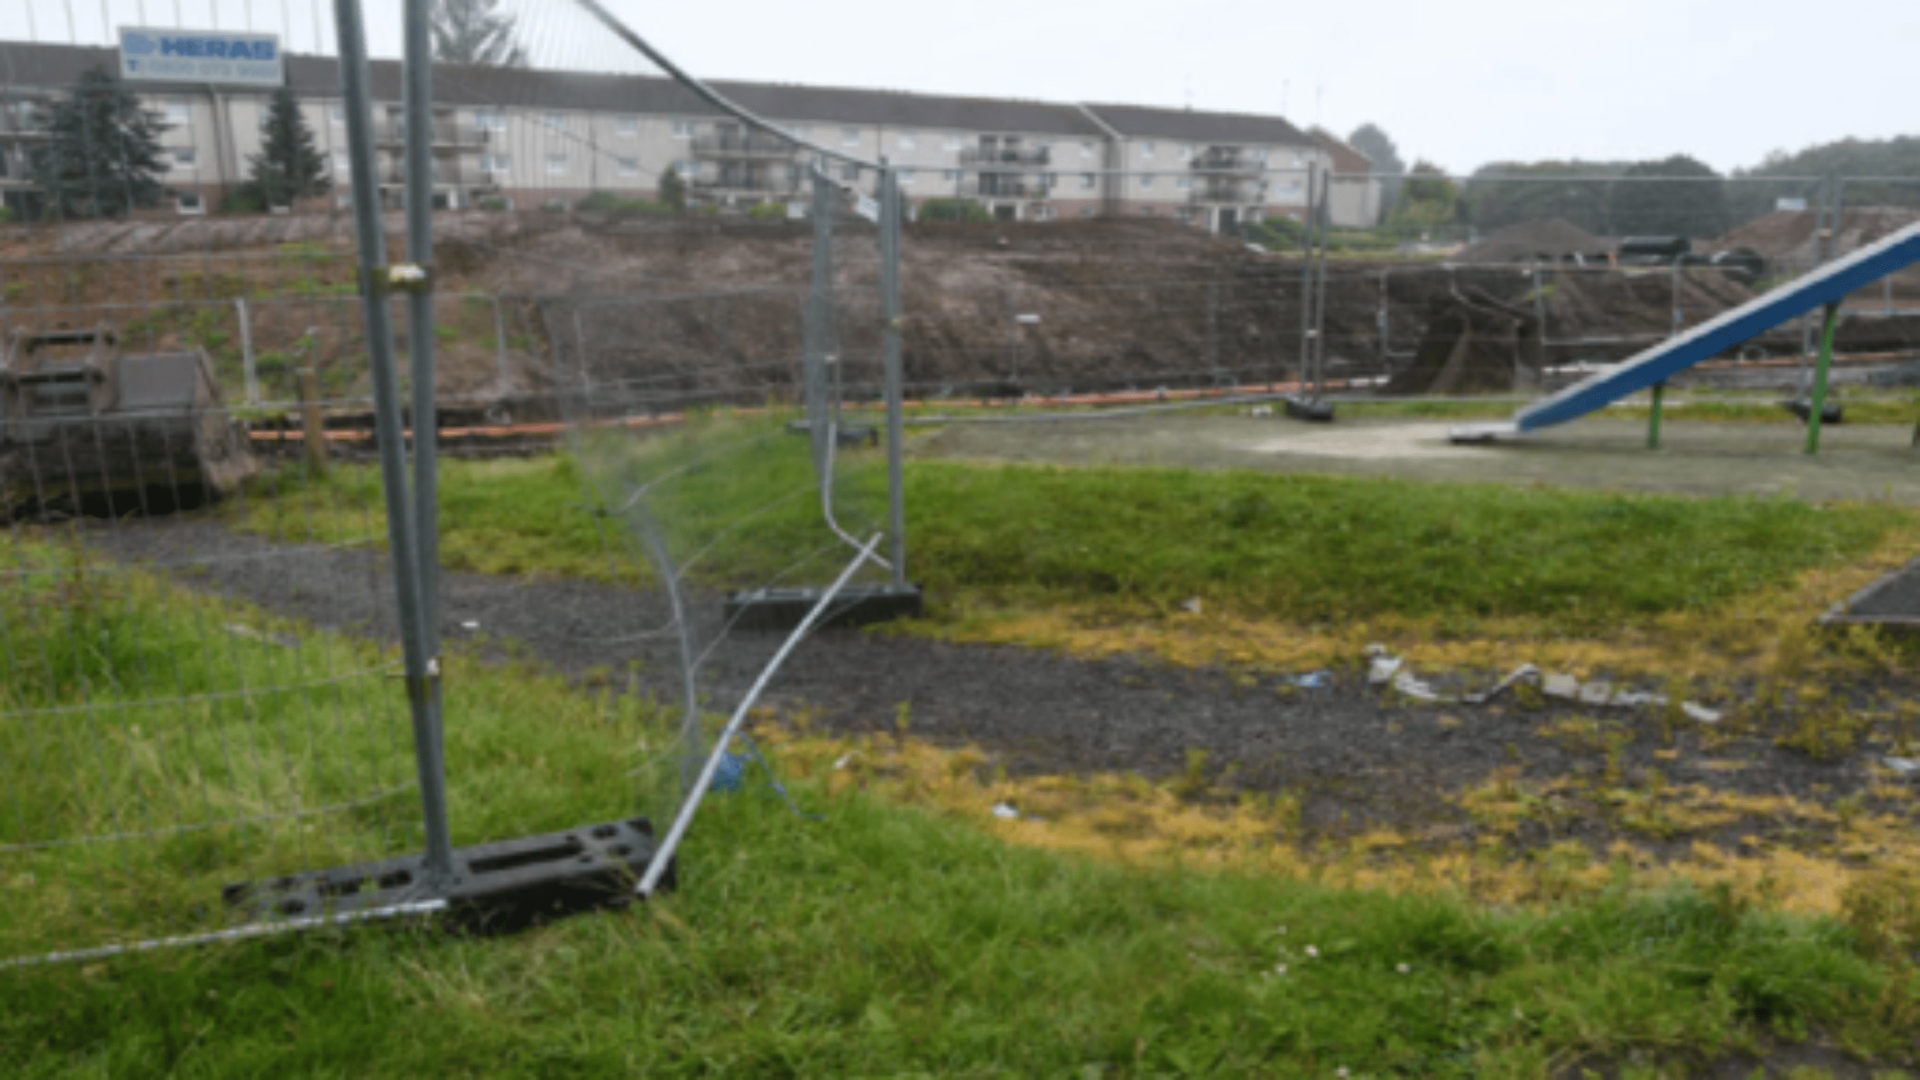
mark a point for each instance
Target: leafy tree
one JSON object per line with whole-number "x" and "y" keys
{"x": 672, "y": 191}
{"x": 1370, "y": 140}
{"x": 1691, "y": 202}
{"x": 289, "y": 166}
{"x": 1427, "y": 199}
{"x": 1506, "y": 193}
{"x": 1896, "y": 159}
{"x": 102, "y": 157}
{"x": 475, "y": 32}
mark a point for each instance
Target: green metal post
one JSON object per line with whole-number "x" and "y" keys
{"x": 1819, "y": 403}
{"x": 1653, "y": 422}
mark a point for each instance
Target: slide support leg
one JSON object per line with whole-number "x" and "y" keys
{"x": 1653, "y": 422}
{"x": 1819, "y": 402}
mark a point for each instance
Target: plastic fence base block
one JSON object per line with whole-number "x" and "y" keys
{"x": 497, "y": 888}
{"x": 857, "y": 605}
{"x": 844, "y": 434}
{"x": 1309, "y": 409}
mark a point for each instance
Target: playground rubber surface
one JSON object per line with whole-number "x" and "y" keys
{"x": 1856, "y": 462}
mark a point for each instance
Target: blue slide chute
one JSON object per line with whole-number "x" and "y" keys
{"x": 1827, "y": 285}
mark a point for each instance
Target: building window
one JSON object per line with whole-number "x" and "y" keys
{"x": 955, "y": 140}
{"x": 496, "y": 163}
{"x": 1260, "y": 156}
{"x": 798, "y": 131}
{"x": 687, "y": 169}
{"x": 1086, "y": 149}
{"x": 1146, "y": 211}
{"x": 557, "y": 120}
{"x": 1147, "y": 180}
{"x": 184, "y": 157}
{"x": 1049, "y": 181}
{"x": 337, "y": 114}
{"x": 556, "y": 164}
{"x": 626, "y": 127}
{"x": 1086, "y": 211}
{"x": 685, "y": 129}
{"x": 1186, "y": 153}
{"x": 177, "y": 113}
{"x": 850, "y": 136}
{"x": 849, "y": 173}
{"x": 1086, "y": 180}
{"x": 490, "y": 120}
{"x": 190, "y": 202}
{"x": 629, "y": 166}
{"x": 906, "y": 177}
{"x": 1146, "y": 149}
{"x": 1185, "y": 181}
{"x": 904, "y": 140}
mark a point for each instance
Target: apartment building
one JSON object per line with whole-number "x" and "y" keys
{"x": 527, "y": 138}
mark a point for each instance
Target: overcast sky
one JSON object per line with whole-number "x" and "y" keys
{"x": 1459, "y": 83}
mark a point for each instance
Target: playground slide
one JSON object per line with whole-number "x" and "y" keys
{"x": 1826, "y": 285}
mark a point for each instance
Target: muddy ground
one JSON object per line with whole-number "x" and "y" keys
{"x": 672, "y": 312}
{"x": 1355, "y": 757}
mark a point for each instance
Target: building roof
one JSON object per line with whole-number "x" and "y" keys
{"x": 1346, "y": 160}
{"x": 1194, "y": 125}
{"x": 45, "y": 66}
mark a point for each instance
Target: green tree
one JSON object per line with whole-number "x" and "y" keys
{"x": 1427, "y": 199}
{"x": 1676, "y": 196}
{"x": 475, "y": 32}
{"x": 673, "y": 190}
{"x": 1370, "y": 140}
{"x": 102, "y": 155}
{"x": 1507, "y": 193}
{"x": 289, "y": 166}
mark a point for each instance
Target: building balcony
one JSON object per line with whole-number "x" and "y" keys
{"x": 743, "y": 146}
{"x": 1225, "y": 159}
{"x": 1011, "y": 186}
{"x": 447, "y": 135}
{"x": 394, "y": 174}
{"x": 1007, "y": 155}
{"x": 1215, "y": 190}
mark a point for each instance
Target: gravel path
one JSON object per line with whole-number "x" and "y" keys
{"x": 1353, "y": 757}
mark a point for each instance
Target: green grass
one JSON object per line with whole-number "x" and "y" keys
{"x": 875, "y": 940}
{"x": 1302, "y": 548}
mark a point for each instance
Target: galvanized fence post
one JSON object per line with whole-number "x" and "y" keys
{"x": 376, "y": 278}
{"x": 815, "y": 315}
{"x": 420, "y": 347}
{"x": 896, "y": 427}
{"x": 500, "y": 344}
{"x": 248, "y": 369}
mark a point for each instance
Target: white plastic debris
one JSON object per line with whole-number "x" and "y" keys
{"x": 1260, "y": 410}
{"x": 1384, "y": 668}
{"x": 1191, "y": 605}
{"x": 470, "y": 625}
{"x": 1905, "y": 766}
{"x": 1005, "y": 812}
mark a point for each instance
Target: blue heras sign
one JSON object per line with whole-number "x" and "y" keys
{"x": 200, "y": 56}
